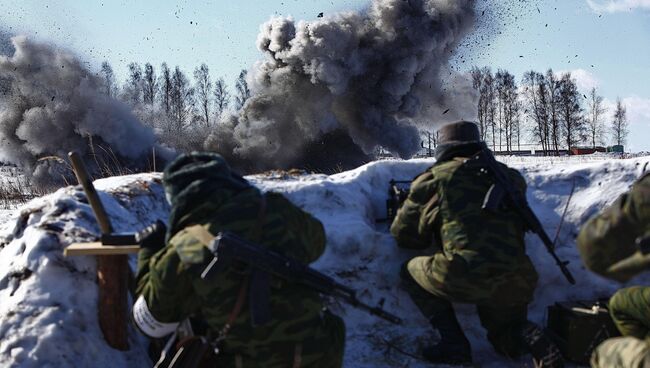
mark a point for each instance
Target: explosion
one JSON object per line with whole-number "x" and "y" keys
{"x": 334, "y": 90}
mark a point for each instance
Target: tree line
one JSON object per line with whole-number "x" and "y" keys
{"x": 544, "y": 109}
{"x": 179, "y": 108}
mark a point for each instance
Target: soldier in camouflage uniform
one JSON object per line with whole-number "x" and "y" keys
{"x": 615, "y": 244}
{"x": 479, "y": 255}
{"x": 203, "y": 190}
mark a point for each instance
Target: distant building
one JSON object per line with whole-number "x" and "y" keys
{"x": 616, "y": 148}
{"x": 587, "y": 150}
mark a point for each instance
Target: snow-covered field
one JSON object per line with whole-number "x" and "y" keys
{"x": 47, "y": 302}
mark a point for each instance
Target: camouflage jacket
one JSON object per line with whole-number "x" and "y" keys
{"x": 610, "y": 236}
{"x": 479, "y": 256}
{"x": 169, "y": 281}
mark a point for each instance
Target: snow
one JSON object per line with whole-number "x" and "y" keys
{"x": 47, "y": 301}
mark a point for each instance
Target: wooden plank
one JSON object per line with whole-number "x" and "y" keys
{"x": 96, "y": 248}
{"x": 113, "y": 309}
{"x": 112, "y": 270}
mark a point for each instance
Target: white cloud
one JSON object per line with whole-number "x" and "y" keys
{"x": 638, "y": 110}
{"x": 615, "y": 6}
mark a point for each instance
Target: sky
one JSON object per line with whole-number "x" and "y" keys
{"x": 604, "y": 43}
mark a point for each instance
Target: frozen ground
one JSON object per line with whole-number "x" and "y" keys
{"x": 47, "y": 302}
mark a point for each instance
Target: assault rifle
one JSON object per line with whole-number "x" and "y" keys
{"x": 503, "y": 189}
{"x": 398, "y": 191}
{"x": 227, "y": 247}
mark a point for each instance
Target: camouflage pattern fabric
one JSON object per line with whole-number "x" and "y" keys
{"x": 170, "y": 281}
{"x": 479, "y": 255}
{"x": 609, "y": 237}
{"x": 503, "y": 324}
{"x": 621, "y": 352}
{"x": 630, "y": 310}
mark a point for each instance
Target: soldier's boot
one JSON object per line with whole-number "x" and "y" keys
{"x": 453, "y": 347}
{"x": 544, "y": 351}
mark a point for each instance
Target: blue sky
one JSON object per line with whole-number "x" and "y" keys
{"x": 605, "y": 43}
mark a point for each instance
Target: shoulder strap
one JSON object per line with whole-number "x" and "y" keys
{"x": 206, "y": 237}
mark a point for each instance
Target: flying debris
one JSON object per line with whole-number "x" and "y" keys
{"x": 332, "y": 91}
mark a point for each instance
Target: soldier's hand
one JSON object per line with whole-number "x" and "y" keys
{"x": 154, "y": 236}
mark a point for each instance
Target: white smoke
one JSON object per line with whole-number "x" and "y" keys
{"x": 374, "y": 76}
{"x": 54, "y": 105}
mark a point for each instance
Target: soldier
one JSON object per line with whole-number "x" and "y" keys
{"x": 615, "y": 244}
{"x": 203, "y": 190}
{"x": 479, "y": 255}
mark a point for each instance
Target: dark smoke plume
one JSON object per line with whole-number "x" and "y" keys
{"x": 54, "y": 105}
{"x": 362, "y": 79}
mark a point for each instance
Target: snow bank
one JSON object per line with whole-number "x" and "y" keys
{"x": 47, "y": 302}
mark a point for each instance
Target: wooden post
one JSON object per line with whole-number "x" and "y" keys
{"x": 112, "y": 270}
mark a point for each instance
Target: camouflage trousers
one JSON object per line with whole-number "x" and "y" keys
{"x": 621, "y": 352}
{"x": 630, "y": 310}
{"x": 318, "y": 352}
{"x": 503, "y": 324}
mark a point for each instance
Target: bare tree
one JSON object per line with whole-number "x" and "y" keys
{"x": 108, "y": 79}
{"x": 508, "y": 107}
{"x": 149, "y": 84}
{"x": 221, "y": 97}
{"x": 595, "y": 116}
{"x": 536, "y": 97}
{"x": 490, "y": 107}
{"x": 181, "y": 100}
{"x": 552, "y": 107}
{"x": 203, "y": 86}
{"x": 133, "y": 87}
{"x": 499, "y": 79}
{"x": 478, "y": 82}
{"x": 619, "y": 124}
{"x": 511, "y": 108}
{"x": 516, "y": 120}
{"x": 243, "y": 92}
{"x": 165, "y": 87}
{"x": 570, "y": 111}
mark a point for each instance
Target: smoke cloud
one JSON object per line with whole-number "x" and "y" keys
{"x": 53, "y": 105}
{"x": 331, "y": 91}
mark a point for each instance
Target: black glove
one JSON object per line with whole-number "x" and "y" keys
{"x": 153, "y": 236}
